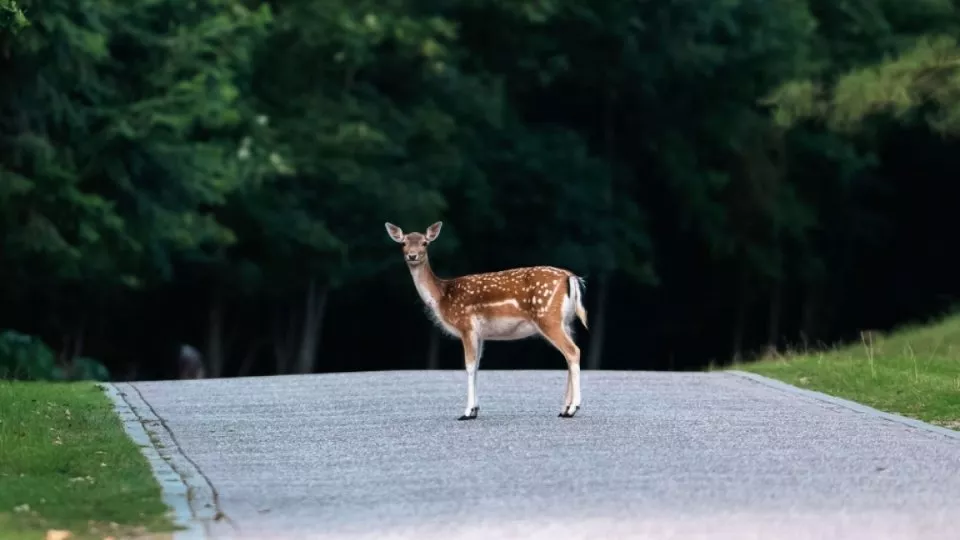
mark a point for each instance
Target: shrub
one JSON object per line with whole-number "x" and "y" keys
{"x": 27, "y": 357}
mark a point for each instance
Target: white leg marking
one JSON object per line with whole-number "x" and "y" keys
{"x": 471, "y": 389}
{"x": 575, "y": 375}
{"x": 471, "y": 367}
{"x": 573, "y": 406}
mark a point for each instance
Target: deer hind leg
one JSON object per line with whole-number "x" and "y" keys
{"x": 471, "y": 359}
{"x": 559, "y": 337}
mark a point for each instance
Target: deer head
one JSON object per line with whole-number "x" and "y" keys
{"x": 414, "y": 244}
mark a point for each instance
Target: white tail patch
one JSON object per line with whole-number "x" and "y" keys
{"x": 577, "y": 284}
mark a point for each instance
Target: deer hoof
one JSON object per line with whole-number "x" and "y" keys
{"x": 569, "y": 411}
{"x": 470, "y": 415}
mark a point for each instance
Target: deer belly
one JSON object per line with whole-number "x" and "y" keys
{"x": 505, "y": 329}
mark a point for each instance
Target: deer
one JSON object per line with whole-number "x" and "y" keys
{"x": 505, "y": 305}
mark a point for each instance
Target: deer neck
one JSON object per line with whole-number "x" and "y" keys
{"x": 429, "y": 286}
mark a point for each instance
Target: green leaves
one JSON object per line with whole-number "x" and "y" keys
{"x": 136, "y": 140}
{"x": 12, "y": 17}
{"x": 26, "y": 357}
{"x": 928, "y": 72}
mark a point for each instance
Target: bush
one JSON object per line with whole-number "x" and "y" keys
{"x": 27, "y": 357}
{"x": 88, "y": 369}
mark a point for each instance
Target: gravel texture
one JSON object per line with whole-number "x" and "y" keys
{"x": 649, "y": 455}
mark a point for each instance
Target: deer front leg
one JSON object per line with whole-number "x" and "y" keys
{"x": 471, "y": 359}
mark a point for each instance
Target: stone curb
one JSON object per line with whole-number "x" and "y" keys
{"x": 184, "y": 490}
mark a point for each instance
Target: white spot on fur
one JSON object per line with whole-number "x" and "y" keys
{"x": 507, "y": 302}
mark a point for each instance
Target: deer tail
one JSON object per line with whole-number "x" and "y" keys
{"x": 576, "y": 285}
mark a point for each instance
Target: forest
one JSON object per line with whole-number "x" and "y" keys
{"x": 731, "y": 177}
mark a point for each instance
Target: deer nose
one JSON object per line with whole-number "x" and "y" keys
{"x": 411, "y": 256}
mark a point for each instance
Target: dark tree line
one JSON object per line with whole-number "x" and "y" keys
{"x": 731, "y": 177}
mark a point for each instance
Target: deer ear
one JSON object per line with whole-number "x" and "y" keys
{"x": 395, "y": 232}
{"x": 433, "y": 231}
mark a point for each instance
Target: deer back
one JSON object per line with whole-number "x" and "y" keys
{"x": 522, "y": 293}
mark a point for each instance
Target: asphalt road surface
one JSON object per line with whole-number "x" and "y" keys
{"x": 649, "y": 455}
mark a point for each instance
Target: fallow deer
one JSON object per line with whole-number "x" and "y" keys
{"x": 504, "y": 306}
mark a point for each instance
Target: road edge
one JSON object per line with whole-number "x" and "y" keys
{"x": 846, "y": 403}
{"x": 177, "y": 490}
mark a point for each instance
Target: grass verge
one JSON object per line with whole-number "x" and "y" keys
{"x": 913, "y": 371}
{"x": 67, "y": 464}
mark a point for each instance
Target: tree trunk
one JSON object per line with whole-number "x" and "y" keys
{"x": 229, "y": 347}
{"x": 247, "y": 363}
{"x": 314, "y": 308}
{"x": 811, "y": 308}
{"x": 599, "y": 327}
{"x": 433, "y": 349}
{"x": 284, "y": 338}
{"x": 740, "y": 315}
{"x": 215, "y": 337}
{"x": 598, "y": 331}
{"x": 78, "y": 341}
{"x": 65, "y": 347}
{"x": 773, "y": 320}
{"x": 132, "y": 371}
{"x": 279, "y": 347}
{"x": 70, "y": 348}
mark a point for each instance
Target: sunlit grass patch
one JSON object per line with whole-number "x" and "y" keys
{"x": 914, "y": 371}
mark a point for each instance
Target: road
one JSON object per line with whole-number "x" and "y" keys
{"x": 649, "y": 455}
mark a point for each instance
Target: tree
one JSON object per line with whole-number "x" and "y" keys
{"x": 901, "y": 87}
{"x": 12, "y": 17}
{"x": 116, "y": 171}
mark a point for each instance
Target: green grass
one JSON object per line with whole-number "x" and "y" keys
{"x": 67, "y": 464}
{"x": 914, "y": 371}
